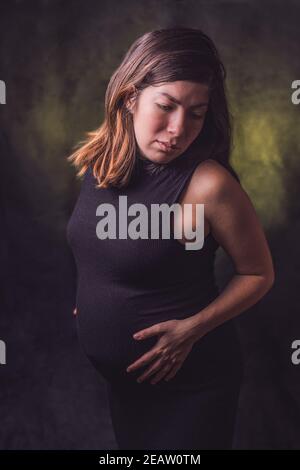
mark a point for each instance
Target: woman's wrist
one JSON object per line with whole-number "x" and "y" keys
{"x": 195, "y": 327}
{"x": 199, "y": 324}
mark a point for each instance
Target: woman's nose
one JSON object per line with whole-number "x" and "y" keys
{"x": 176, "y": 124}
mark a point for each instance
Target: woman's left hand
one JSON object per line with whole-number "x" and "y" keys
{"x": 177, "y": 338}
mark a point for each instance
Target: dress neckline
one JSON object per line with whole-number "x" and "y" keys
{"x": 155, "y": 167}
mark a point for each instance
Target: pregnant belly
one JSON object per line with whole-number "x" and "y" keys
{"x": 106, "y": 336}
{"x": 106, "y": 324}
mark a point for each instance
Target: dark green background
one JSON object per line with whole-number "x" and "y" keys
{"x": 56, "y": 58}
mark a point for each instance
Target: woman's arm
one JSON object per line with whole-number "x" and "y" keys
{"x": 235, "y": 225}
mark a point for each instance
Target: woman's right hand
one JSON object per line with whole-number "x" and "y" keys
{"x": 75, "y": 311}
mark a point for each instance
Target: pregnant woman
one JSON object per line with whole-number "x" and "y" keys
{"x": 149, "y": 314}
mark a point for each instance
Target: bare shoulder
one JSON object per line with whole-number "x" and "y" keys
{"x": 232, "y": 219}
{"x": 212, "y": 181}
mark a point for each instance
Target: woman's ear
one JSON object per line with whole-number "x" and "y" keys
{"x": 131, "y": 100}
{"x": 129, "y": 106}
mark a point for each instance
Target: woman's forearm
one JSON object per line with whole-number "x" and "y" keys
{"x": 240, "y": 293}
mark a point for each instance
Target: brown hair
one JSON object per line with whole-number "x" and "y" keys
{"x": 157, "y": 57}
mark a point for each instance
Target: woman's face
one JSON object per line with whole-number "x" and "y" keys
{"x": 173, "y": 113}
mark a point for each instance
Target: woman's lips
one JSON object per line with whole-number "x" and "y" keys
{"x": 165, "y": 147}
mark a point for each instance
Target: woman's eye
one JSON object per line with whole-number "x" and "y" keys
{"x": 198, "y": 116}
{"x": 169, "y": 108}
{"x": 165, "y": 107}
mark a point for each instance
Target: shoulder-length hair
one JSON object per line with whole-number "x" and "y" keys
{"x": 160, "y": 56}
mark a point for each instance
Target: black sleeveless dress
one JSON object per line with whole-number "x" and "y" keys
{"x": 125, "y": 285}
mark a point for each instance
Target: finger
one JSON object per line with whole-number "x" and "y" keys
{"x": 172, "y": 372}
{"x": 143, "y": 360}
{"x": 161, "y": 373}
{"x": 75, "y": 311}
{"x": 152, "y": 370}
{"x": 148, "y": 374}
{"x": 148, "y": 332}
{"x": 168, "y": 370}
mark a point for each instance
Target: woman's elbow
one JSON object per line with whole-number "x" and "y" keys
{"x": 269, "y": 279}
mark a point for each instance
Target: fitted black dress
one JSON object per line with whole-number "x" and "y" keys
{"x": 125, "y": 285}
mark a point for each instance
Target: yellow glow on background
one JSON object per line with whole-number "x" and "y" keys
{"x": 261, "y": 145}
